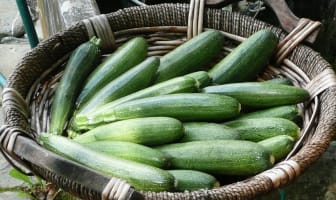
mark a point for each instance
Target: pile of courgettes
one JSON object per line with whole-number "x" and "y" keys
{"x": 166, "y": 124}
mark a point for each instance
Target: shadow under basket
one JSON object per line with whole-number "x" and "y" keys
{"x": 28, "y": 97}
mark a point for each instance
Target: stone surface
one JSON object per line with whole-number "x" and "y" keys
{"x": 10, "y": 55}
{"x": 8, "y": 10}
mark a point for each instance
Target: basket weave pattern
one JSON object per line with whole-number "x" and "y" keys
{"x": 164, "y": 26}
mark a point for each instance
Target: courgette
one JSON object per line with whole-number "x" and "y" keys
{"x": 185, "y": 107}
{"x": 137, "y": 78}
{"x": 279, "y": 145}
{"x": 176, "y": 85}
{"x": 146, "y": 131}
{"x": 191, "y": 180}
{"x": 225, "y": 157}
{"x": 195, "y": 131}
{"x": 258, "y": 129}
{"x": 261, "y": 94}
{"x": 124, "y": 58}
{"x": 280, "y": 80}
{"x": 142, "y": 177}
{"x": 191, "y": 55}
{"x": 131, "y": 151}
{"x": 247, "y": 60}
{"x": 290, "y": 112}
{"x": 79, "y": 66}
{"x": 202, "y": 78}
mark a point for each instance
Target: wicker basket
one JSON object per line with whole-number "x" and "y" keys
{"x": 28, "y": 96}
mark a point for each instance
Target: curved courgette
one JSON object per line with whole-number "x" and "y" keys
{"x": 79, "y": 66}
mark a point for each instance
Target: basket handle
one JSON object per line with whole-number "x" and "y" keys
{"x": 304, "y": 29}
{"x": 288, "y": 20}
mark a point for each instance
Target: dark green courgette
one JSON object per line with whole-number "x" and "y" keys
{"x": 142, "y": 177}
{"x": 131, "y": 151}
{"x": 191, "y": 180}
{"x": 226, "y": 157}
{"x": 147, "y": 131}
{"x": 257, "y": 129}
{"x": 124, "y": 58}
{"x": 279, "y": 145}
{"x": 191, "y": 55}
{"x": 137, "y": 78}
{"x": 247, "y": 60}
{"x": 261, "y": 95}
{"x": 195, "y": 131}
{"x": 176, "y": 85}
{"x": 185, "y": 107}
{"x": 79, "y": 66}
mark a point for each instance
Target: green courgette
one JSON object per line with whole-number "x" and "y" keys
{"x": 290, "y": 112}
{"x": 226, "y": 157}
{"x": 280, "y": 80}
{"x": 261, "y": 94}
{"x": 247, "y": 60}
{"x": 131, "y": 151}
{"x": 202, "y": 77}
{"x": 191, "y": 55}
{"x": 195, "y": 131}
{"x": 146, "y": 131}
{"x": 279, "y": 145}
{"x": 137, "y": 78}
{"x": 185, "y": 107}
{"x": 176, "y": 85}
{"x": 191, "y": 180}
{"x": 142, "y": 177}
{"x": 257, "y": 129}
{"x": 79, "y": 66}
{"x": 124, "y": 58}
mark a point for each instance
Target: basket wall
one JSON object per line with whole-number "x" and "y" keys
{"x": 48, "y": 52}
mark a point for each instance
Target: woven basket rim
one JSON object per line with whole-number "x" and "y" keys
{"x": 264, "y": 182}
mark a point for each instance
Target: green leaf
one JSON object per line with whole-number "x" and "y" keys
{"x": 24, "y": 194}
{"x": 20, "y": 176}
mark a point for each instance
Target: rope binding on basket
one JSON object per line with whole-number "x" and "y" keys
{"x": 283, "y": 173}
{"x": 8, "y": 136}
{"x": 304, "y": 28}
{"x": 100, "y": 27}
{"x": 12, "y": 99}
{"x": 116, "y": 189}
{"x": 195, "y": 18}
